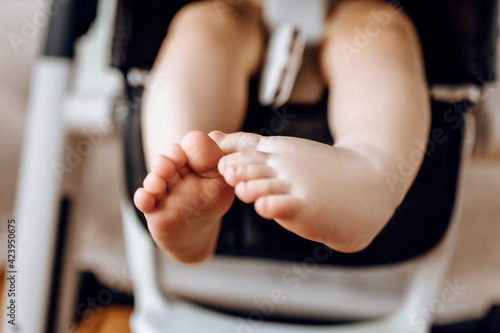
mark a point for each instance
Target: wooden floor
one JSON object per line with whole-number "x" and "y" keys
{"x": 113, "y": 319}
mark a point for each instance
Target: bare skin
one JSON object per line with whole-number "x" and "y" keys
{"x": 201, "y": 74}
{"x": 184, "y": 197}
{"x": 338, "y": 195}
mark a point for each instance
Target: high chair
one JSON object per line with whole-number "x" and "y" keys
{"x": 258, "y": 264}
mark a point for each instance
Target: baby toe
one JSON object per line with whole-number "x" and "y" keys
{"x": 176, "y": 154}
{"x": 278, "y": 206}
{"x": 154, "y": 184}
{"x": 163, "y": 167}
{"x": 237, "y": 173}
{"x": 234, "y": 142}
{"x": 250, "y": 191}
{"x": 143, "y": 200}
{"x": 202, "y": 153}
{"x": 243, "y": 158}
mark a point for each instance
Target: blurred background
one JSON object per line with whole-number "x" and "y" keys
{"x": 99, "y": 243}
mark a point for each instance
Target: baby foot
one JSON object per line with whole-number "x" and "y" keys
{"x": 334, "y": 195}
{"x": 185, "y": 197}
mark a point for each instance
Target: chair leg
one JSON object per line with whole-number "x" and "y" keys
{"x": 150, "y": 308}
{"x": 38, "y": 194}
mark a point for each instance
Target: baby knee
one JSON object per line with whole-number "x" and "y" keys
{"x": 204, "y": 21}
{"x": 192, "y": 21}
{"x": 202, "y": 25}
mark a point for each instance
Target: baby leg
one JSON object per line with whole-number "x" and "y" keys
{"x": 200, "y": 78}
{"x": 378, "y": 109}
{"x": 379, "y": 103}
{"x": 201, "y": 73}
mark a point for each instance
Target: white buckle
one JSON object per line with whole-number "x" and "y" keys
{"x": 281, "y": 65}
